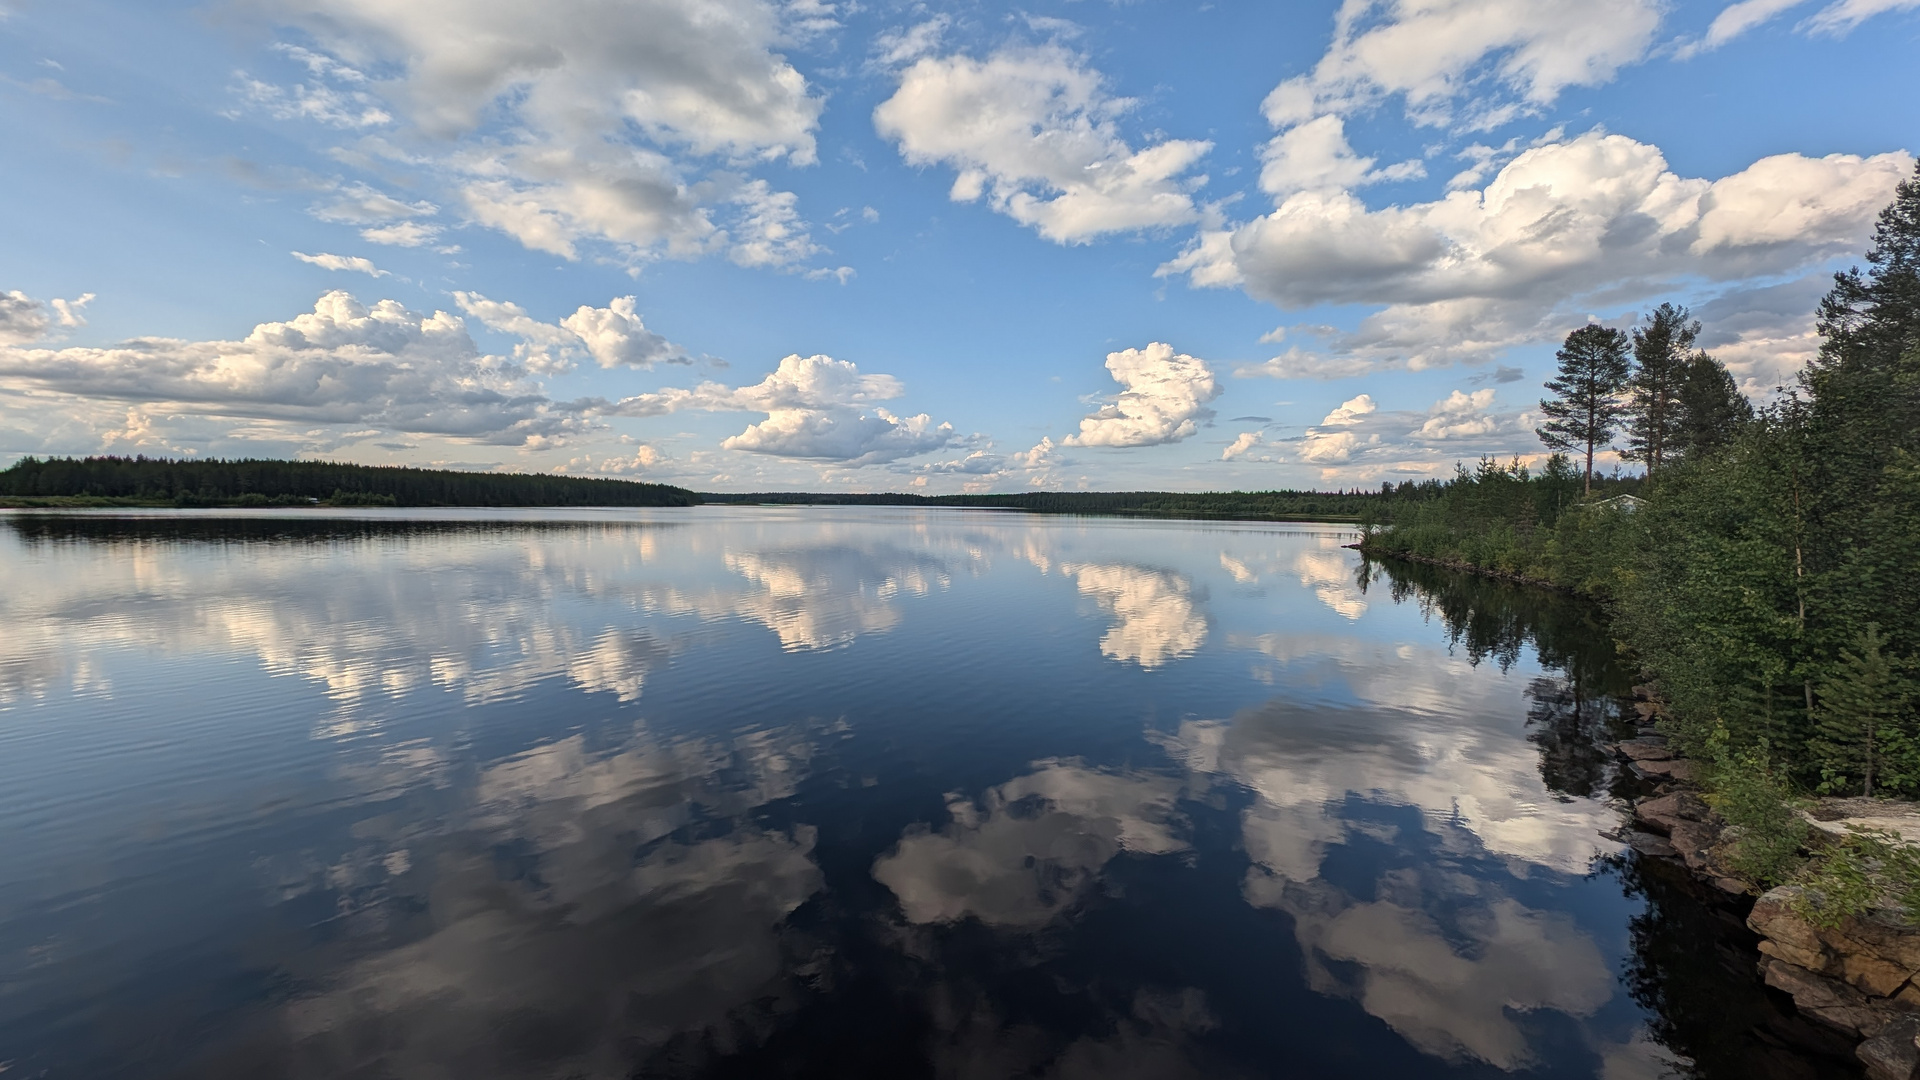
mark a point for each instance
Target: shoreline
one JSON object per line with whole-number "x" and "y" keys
{"x": 88, "y": 502}
{"x": 1859, "y": 978}
{"x": 1462, "y": 567}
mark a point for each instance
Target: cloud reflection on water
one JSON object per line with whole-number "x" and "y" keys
{"x": 565, "y": 922}
{"x": 1156, "y": 616}
{"x": 603, "y": 885}
{"x": 1438, "y": 947}
{"x": 1440, "y": 950}
{"x": 1025, "y": 850}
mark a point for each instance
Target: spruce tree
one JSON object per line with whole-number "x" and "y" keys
{"x": 1871, "y": 319}
{"x": 1861, "y": 705}
{"x": 1863, "y": 430}
{"x": 1586, "y": 405}
{"x": 1661, "y": 351}
{"x": 1711, "y": 409}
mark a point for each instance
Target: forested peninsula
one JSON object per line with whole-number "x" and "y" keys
{"x": 1765, "y": 570}
{"x": 141, "y": 481}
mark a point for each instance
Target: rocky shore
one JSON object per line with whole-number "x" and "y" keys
{"x": 1860, "y": 979}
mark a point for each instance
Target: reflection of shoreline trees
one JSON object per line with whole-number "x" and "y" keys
{"x": 1692, "y": 968}
{"x": 1571, "y": 730}
{"x": 1575, "y": 710}
{"x": 289, "y": 528}
{"x": 1496, "y": 620}
{"x": 1692, "y": 965}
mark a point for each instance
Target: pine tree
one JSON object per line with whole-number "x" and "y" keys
{"x": 1711, "y": 409}
{"x": 1860, "y": 705}
{"x": 1661, "y": 349}
{"x": 1586, "y": 393}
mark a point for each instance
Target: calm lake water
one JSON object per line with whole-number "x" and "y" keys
{"x": 833, "y": 792}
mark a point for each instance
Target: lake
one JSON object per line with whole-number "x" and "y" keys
{"x": 747, "y": 792}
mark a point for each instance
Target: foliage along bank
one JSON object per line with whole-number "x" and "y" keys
{"x": 1765, "y": 570}
{"x": 253, "y": 482}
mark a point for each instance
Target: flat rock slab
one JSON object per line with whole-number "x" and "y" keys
{"x": 1694, "y": 841}
{"x": 1827, "y": 1000}
{"x": 1661, "y": 813}
{"x": 1893, "y": 1054}
{"x": 1838, "y": 817}
{"x": 1645, "y": 749}
{"x": 1875, "y": 952}
{"x": 1676, "y": 769}
{"x": 1647, "y": 843}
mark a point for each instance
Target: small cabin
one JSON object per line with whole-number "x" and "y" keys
{"x": 1625, "y": 504}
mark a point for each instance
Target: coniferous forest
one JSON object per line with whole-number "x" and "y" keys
{"x": 255, "y": 482}
{"x": 1763, "y": 569}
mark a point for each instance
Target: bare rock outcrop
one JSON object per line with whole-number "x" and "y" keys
{"x": 1859, "y": 976}
{"x": 1874, "y": 953}
{"x": 1663, "y": 812}
{"x": 1893, "y": 1054}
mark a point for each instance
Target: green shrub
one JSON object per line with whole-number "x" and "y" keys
{"x": 1866, "y": 870}
{"x": 1757, "y": 802}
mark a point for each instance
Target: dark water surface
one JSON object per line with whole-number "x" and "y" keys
{"x": 820, "y": 792}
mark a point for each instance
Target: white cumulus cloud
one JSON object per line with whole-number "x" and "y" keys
{"x": 579, "y": 121}
{"x": 615, "y": 335}
{"x": 1350, "y": 411}
{"x": 1503, "y": 55}
{"x": 1166, "y": 392}
{"x": 1316, "y": 155}
{"x": 1242, "y": 443}
{"x": 24, "y": 320}
{"x": 1477, "y": 271}
{"x": 343, "y": 363}
{"x": 818, "y": 408}
{"x": 1327, "y": 448}
{"x": 1033, "y": 130}
{"x": 1458, "y": 416}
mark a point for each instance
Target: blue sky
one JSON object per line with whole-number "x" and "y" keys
{"x": 742, "y": 245}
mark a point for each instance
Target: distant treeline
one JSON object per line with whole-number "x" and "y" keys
{"x": 253, "y": 482}
{"x": 1226, "y": 505}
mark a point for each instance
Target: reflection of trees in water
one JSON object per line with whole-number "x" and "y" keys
{"x": 1693, "y": 970}
{"x": 1494, "y": 620}
{"x": 297, "y": 527}
{"x": 1693, "y": 964}
{"x": 1571, "y": 728}
{"x": 1575, "y": 710}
